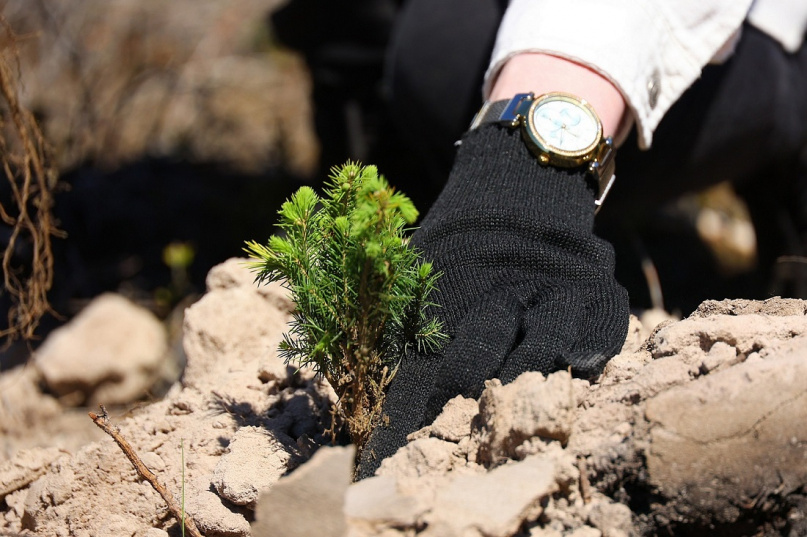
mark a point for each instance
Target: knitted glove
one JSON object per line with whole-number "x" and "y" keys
{"x": 526, "y": 285}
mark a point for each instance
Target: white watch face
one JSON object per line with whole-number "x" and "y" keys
{"x": 563, "y": 125}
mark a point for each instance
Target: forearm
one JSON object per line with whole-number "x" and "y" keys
{"x": 542, "y": 73}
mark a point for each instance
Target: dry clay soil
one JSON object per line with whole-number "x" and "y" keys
{"x": 698, "y": 427}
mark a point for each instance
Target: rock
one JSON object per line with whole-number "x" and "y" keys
{"x": 494, "y": 504}
{"x": 28, "y": 417}
{"x": 612, "y": 519}
{"x": 424, "y": 456}
{"x": 310, "y": 500}
{"x": 541, "y": 456}
{"x": 304, "y": 410}
{"x": 227, "y": 329}
{"x": 694, "y": 337}
{"x": 110, "y": 352}
{"x": 529, "y": 406}
{"x": 255, "y": 460}
{"x": 231, "y": 273}
{"x": 651, "y": 319}
{"x": 636, "y": 336}
{"x": 272, "y": 368}
{"x": 236, "y": 272}
{"x": 213, "y": 518}
{"x": 153, "y": 462}
{"x": 742, "y": 436}
{"x": 658, "y": 375}
{"x": 454, "y": 422}
{"x": 24, "y": 468}
{"x": 376, "y": 503}
{"x": 624, "y": 367}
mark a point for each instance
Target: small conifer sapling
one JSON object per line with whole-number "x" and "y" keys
{"x": 361, "y": 289}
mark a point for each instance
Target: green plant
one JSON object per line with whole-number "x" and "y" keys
{"x": 359, "y": 286}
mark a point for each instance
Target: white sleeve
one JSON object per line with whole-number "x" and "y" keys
{"x": 784, "y": 20}
{"x": 651, "y": 50}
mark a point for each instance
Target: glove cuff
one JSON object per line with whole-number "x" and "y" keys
{"x": 495, "y": 171}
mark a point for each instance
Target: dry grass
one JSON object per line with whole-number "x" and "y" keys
{"x": 27, "y": 167}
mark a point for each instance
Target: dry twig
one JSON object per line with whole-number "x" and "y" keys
{"x": 102, "y": 422}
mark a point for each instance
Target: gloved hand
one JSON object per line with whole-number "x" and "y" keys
{"x": 526, "y": 285}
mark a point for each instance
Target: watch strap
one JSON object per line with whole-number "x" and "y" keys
{"x": 603, "y": 168}
{"x": 506, "y": 112}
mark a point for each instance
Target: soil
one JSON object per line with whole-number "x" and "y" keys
{"x": 696, "y": 428}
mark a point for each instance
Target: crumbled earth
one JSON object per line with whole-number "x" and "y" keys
{"x": 698, "y": 427}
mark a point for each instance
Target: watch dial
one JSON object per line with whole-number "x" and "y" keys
{"x": 565, "y": 125}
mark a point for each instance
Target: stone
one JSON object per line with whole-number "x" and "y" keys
{"x": 652, "y": 319}
{"x": 231, "y": 273}
{"x": 377, "y": 502}
{"x": 454, "y": 422}
{"x": 226, "y": 330}
{"x": 532, "y": 405}
{"x": 255, "y": 460}
{"x": 742, "y": 433}
{"x": 544, "y": 532}
{"x": 70, "y": 488}
{"x": 612, "y": 519}
{"x": 110, "y": 353}
{"x": 424, "y": 456}
{"x": 213, "y": 518}
{"x": 624, "y": 367}
{"x": 695, "y": 337}
{"x": 494, "y": 504}
{"x": 310, "y": 500}
{"x": 636, "y": 336}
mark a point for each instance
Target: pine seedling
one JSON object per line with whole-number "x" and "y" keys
{"x": 360, "y": 288}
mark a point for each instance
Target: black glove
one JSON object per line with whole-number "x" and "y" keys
{"x": 526, "y": 285}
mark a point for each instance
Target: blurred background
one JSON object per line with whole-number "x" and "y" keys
{"x": 176, "y": 129}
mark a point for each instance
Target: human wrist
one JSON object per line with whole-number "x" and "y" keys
{"x": 541, "y": 73}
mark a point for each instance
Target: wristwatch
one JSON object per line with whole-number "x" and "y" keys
{"x": 561, "y": 130}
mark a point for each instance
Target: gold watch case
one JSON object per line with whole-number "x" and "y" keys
{"x": 538, "y": 133}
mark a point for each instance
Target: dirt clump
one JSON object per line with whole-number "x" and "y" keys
{"x": 697, "y": 427}
{"x": 112, "y": 352}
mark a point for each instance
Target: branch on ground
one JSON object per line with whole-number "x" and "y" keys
{"x": 102, "y": 421}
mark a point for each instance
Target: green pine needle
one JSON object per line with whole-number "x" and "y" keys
{"x": 361, "y": 290}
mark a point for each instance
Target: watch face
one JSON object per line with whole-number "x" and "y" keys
{"x": 564, "y": 125}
